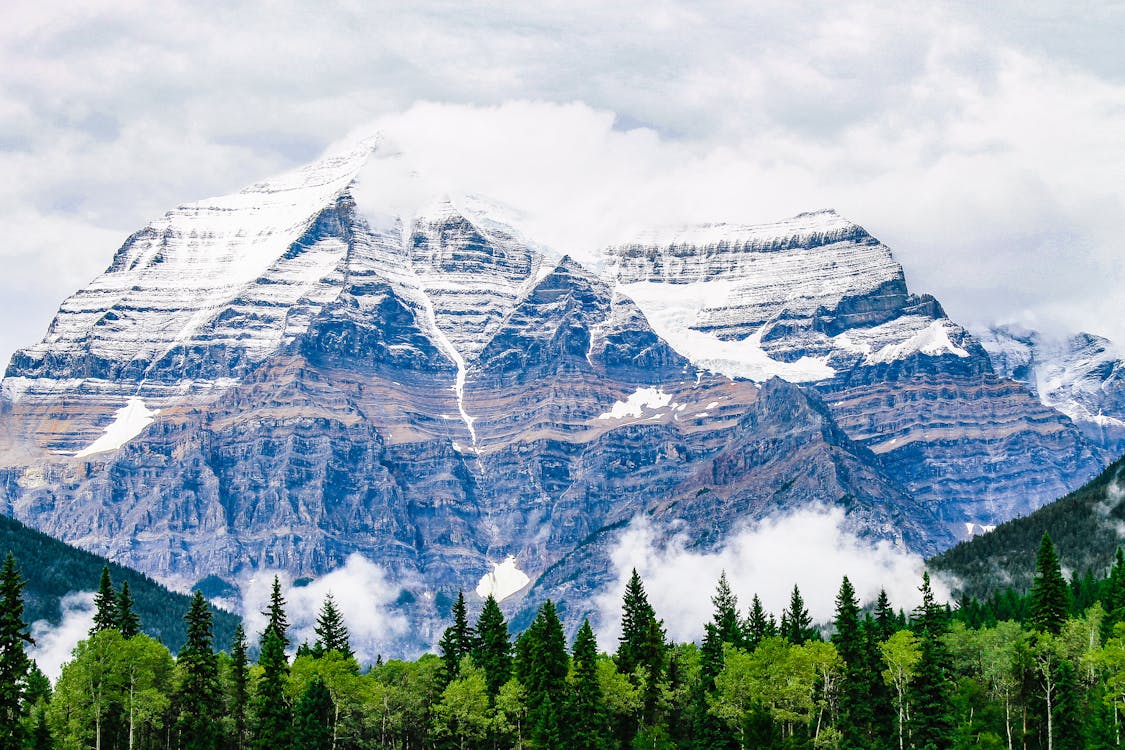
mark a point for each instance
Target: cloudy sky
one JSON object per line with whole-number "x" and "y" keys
{"x": 987, "y": 147}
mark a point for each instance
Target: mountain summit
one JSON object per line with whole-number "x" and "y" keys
{"x": 281, "y": 378}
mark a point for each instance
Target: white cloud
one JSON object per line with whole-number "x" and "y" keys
{"x": 361, "y": 590}
{"x": 982, "y": 144}
{"x": 811, "y": 547}
{"x": 54, "y": 643}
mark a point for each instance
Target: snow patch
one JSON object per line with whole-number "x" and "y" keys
{"x": 652, "y": 398}
{"x": 129, "y": 422}
{"x": 505, "y": 579}
{"x": 933, "y": 341}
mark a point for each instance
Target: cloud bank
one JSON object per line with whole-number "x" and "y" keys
{"x": 362, "y": 592}
{"x": 53, "y": 643}
{"x": 811, "y": 547}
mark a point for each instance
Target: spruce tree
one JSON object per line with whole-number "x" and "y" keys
{"x": 856, "y": 682}
{"x": 457, "y": 642}
{"x": 127, "y": 620}
{"x": 641, "y": 645}
{"x": 312, "y": 718}
{"x": 198, "y": 694}
{"x": 1114, "y": 600}
{"x": 757, "y": 625}
{"x": 885, "y": 621}
{"x": 240, "y": 678}
{"x": 14, "y": 663}
{"x": 1050, "y": 598}
{"x": 931, "y": 691}
{"x": 331, "y": 633}
{"x": 272, "y": 714}
{"x": 493, "y": 651}
{"x": 105, "y": 604}
{"x": 41, "y": 737}
{"x": 725, "y": 614}
{"x": 587, "y": 727}
{"x": 796, "y": 624}
{"x": 541, "y": 667}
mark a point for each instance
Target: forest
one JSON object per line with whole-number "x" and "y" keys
{"x": 1038, "y": 670}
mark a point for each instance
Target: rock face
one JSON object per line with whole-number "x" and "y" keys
{"x": 1083, "y": 376}
{"x": 818, "y": 300}
{"x": 282, "y": 378}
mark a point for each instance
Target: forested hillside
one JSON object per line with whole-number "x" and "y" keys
{"x": 53, "y": 569}
{"x": 1087, "y": 526}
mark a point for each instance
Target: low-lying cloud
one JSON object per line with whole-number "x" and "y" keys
{"x": 54, "y": 643}
{"x": 812, "y": 547}
{"x": 363, "y": 594}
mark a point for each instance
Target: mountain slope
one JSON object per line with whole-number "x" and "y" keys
{"x": 53, "y": 569}
{"x": 1087, "y": 526}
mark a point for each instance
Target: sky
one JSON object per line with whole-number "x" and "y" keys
{"x": 981, "y": 141}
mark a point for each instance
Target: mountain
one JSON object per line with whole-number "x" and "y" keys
{"x": 1083, "y": 376}
{"x": 817, "y": 300}
{"x": 1087, "y": 526}
{"x": 53, "y": 569}
{"x": 286, "y": 376}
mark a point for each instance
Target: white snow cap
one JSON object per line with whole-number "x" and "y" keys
{"x": 505, "y": 579}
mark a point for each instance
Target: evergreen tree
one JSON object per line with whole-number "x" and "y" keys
{"x": 493, "y": 651}
{"x": 725, "y": 615}
{"x": 640, "y": 653}
{"x": 272, "y": 714}
{"x": 331, "y": 633}
{"x": 14, "y": 664}
{"x": 1114, "y": 600}
{"x": 127, "y": 620}
{"x": 541, "y": 667}
{"x": 758, "y": 625}
{"x": 105, "y": 604}
{"x": 240, "y": 678}
{"x": 885, "y": 621}
{"x": 198, "y": 694}
{"x": 1049, "y": 594}
{"x": 587, "y": 726}
{"x": 312, "y": 718}
{"x": 856, "y": 681}
{"x": 796, "y": 625}
{"x": 457, "y": 642}
{"x": 41, "y": 738}
{"x": 278, "y": 620}
{"x": 931, "y": 691}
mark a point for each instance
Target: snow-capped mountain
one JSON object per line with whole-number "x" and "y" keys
{"x": 1083, "y": 376}
{"x": 284, "y": 377}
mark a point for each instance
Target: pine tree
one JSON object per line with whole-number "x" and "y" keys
{"x": 493, "y": 651}
{"x": 641, "y": 645}
{"x": 1050, "y": 600}
{"x": 725, "y": 615}
{"x": 278, "y": 620}
{"x": 857, "y": 682}
{"x": 198, "y": 694}
{"x": 885, "y": 622}
{"x": 41, "y": 738}
{"x": 541, "y": 667}
{"x": 272, "y": 714}
{"x": 796, "y": 625}
{"x": 931, "y": 691}
{"x": 240, "y": 678}
{"x": 757, "y": 625}
{"x": 331, "y": 633}
{"x": 587, "y": 725}
{"x": 312, "y": 718}
{"x": 14, "y": 664}
{"x": 105, "y": 604}
{"x": 127, "y": 620}
{"x": 1114, "y": 600}
{"x": 457, "y": 642}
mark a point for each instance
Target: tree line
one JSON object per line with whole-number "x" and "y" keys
{"x": 877, "y": 678}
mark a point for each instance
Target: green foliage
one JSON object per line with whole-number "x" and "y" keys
{"x": 14, "y": 664}
{"x": 54, "y": 569}
{"x": 542, "y": 665}
{"x": 272, "y": 713}
{"x": 587, "y": 726}
{"x": 105, "y": 604}
{"x": 458, "y": 641}
{"x": 493, "y": 652}
{"x": 313, "y": 717}
{"x": 796, "y": 625}
{"x": 331, "y": 633}
{"x": 198, "y": 697}
{"x": 127, "y": 620}
{"x": 1049, "y": 596}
